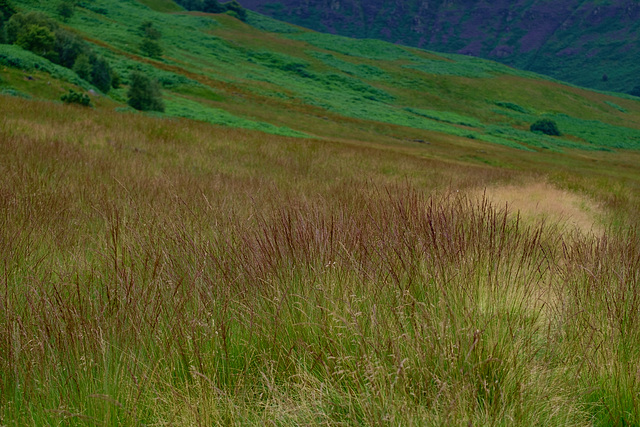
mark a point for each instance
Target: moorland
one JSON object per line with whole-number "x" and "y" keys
{"x": 315, "y": 230}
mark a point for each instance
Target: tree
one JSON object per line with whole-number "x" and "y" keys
{"x": 65, "y": 9}
{"x": 212, "y": 6}
{"x": 545, "y": 126}
{"x": 3, "y": 30}
{"x": 144, "y": 93}
{"x": 69, "y": 46}
{"x": 7, "y": 9}
{"x": 149, "y": 31}
{"x": 235, "y": 8}
{"x": 635, "y": 91}
{"x": 150, "y": 48}
{"x": 101, "y": 74}
{"x": 83, "y": 67}
{"x": 37, "y": 39}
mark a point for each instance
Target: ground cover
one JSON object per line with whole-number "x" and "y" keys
{"x": 303, "y": 254}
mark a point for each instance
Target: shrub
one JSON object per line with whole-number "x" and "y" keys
{"x": 7, "y": 9}
{"x": 635, "y": 91}
{"x": 83, "y": 68}
{"x": 150, "y": 48}
{"x": 236, "y": 9}
{"x": 212, "y": 6}
{"x": 65, "y": 9}
{"x": 149, "y": 31}
{"x": 3, "y": 31}
{"x": 101, "y": 74}
{"x": 73, "y": 97}
{"x": 144, "y": 93}
{"x": 39, "y": 40}
{"x": 546, "y": 126}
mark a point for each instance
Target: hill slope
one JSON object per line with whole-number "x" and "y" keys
{"x": 576, "y": 41}
{"x": 332, "y": 241}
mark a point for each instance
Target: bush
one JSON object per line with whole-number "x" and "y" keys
{"x": 150, "y": 48}
{"x": 149, "y": 31}
{"x": 144, "y": 93}
{"x": 39, "y": 40}
{"x": 546, "y": 126}
{"x": 7, "y": 9}
{"x": 635, "y": 91}
{"x": 83, "y": 68}
{"x": 69, "y": 46}
{"x": 74, "y": 97}
{"x": 101, "y": 74}
{"x": 65, "y": 9}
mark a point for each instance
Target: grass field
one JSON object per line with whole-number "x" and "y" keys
{"x": 300, "y": 254}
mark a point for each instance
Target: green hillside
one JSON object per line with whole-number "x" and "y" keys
{"x": 315, "y": 231}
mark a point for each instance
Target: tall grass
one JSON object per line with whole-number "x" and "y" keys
{"x": 154, "y": 274}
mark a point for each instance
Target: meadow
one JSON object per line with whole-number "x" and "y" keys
{"x": 168, "y": 272}
{"x": 318, "y": 236}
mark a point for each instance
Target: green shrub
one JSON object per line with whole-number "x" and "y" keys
{"x": 65, "y": 9}
{"x": 150, "y": 48}
{"x": 37, "y": 39}
{"x": 101, "y": 74}
{"x": 7, "y": 9}
{"x": 83, "y": 68}
{"x": 144, "y": 93}
{"x": 149, "y": 31}
{"x": 73, "y": 97}
{"x": 546, "y": 126}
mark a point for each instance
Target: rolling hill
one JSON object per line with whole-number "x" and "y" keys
{"x": 316, "y": 230}
{"x": 575, "y": 41}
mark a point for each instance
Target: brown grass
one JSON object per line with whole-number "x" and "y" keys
{"x": 537, "y": 201}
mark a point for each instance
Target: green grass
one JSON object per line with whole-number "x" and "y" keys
{"x": 221, "y": 63}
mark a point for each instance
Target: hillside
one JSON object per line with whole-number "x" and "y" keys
{"x": 575, "y": 41}
{"x": 316, "y": 231}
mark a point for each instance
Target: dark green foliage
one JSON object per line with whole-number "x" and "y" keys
{"x": 37, "y": 39}
{"x": 635, "y": 91}
{"x": 65, "y": 9}
{"x": 149, "y": 31}
{"x": 7, "y": 9}
{"x": 40, "y": 34}
{"x": 83, "y": 67}
{"x": 73, "y": 97}
{"x": 144, "y": 93}
{"x": 21, "y": 22}
{"x": 3, "y": 31}
{"x": 235, "y": 8}
{"x": 101, "y": 74}
{"x": 546, "y": 126}
{"x": 150, "y": 48}
{"x": 69, "y": 46}
{"x": 212, "y": 6}
{"x": 115, "y": 79}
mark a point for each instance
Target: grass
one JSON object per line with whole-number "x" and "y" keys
{"x": 215, "y": 62}
{"x": 335, "y": 239}
{"x": 153, "y": 273}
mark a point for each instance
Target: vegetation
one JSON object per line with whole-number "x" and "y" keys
{"x": 312, "y": 232}
{"x": 246, "y": 278}
{"x": 73, "y": 97}
{"x": 144, "y": 93}
{"x": 38, "y": 33}
{"x": 545, "y": 126}
{"x": 65, "y": 9}
{"x": 213, "y": 6}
